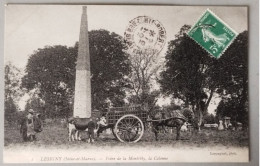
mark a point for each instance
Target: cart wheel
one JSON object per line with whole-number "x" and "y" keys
{"x": 129, "y": 128}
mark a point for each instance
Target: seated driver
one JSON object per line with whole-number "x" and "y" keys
{"x": 103, "y": 121}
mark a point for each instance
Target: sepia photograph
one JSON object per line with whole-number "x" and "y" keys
{"x": 125, "y": 83}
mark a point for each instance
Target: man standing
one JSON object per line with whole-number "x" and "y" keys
{"x": 30, "y": 126}
{"x": 27, "y": 127}
{"x": 91, "y": 127}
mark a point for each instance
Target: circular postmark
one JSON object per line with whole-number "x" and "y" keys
{"x": 144, "y": 36}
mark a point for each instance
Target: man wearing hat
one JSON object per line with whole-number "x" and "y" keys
{"x": 30, "y": 125}
{"x": 91, "y": 127}
{"x": 27, "y": 127}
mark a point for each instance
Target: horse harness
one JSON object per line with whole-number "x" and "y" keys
{"x": 173, "y": 115}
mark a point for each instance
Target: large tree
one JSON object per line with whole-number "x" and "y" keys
{"x": 144, "y": 71}
{"x": 234, "y": 81}
{"x": 193, "y": 76}
{"x": 109, "y": 68}
{"x": 52, "y": 70}
{"x": 13, "y": 92}
{"x": 186, "y": 74}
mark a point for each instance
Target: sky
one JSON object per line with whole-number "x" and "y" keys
{"x": 30, "y": 27}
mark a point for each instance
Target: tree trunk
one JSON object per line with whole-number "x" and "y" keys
{"x": 208, "y": 101}
{"x": 200, "y": 111}
{"x": 200, "y": 116}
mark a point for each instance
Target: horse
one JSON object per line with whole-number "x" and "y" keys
{"x": 175, "y": 118}
{"x": 101, "y": 128}
{"x": 30, "y": 126}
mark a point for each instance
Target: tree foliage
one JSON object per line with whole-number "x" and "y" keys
{"x": 36, "y": 103}
{"x": 13, "y": 92}
{"x": 13, "y": 76}
{"x": 52, "y": 69}
{"x": 109, "y": 67}
{"x": 193, "y": 76}
{"x": 234, "y": 81}
{"x": 186, "y": 74}
{"x": 144, "y": 72}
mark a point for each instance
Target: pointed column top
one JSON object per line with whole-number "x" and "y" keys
{"x": 84, "y": 9}
{"x": 83, "y": 60}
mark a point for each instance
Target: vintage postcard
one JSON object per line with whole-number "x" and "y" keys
{"x": 122, "y": 83}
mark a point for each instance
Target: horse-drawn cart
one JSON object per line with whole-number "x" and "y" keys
{"x": 128, "y": 123}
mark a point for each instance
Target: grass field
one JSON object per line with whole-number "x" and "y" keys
{"x": 56, "y": 135}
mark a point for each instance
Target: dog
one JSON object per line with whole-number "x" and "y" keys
{"x": 184, "y": 127}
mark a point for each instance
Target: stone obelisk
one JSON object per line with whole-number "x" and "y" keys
{"x": 82, "y": 98}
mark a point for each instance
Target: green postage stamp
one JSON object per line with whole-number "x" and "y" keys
{"x": 212, "y": 34}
